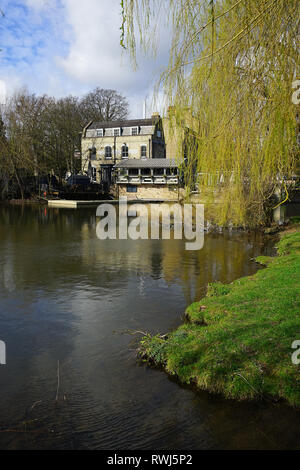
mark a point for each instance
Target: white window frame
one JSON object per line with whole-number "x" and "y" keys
{"x": 94, "y": 173}
{"x": 118, "y": 130}
{"x": 99, "y": 132}
{"x": 133, "y": 129}
{"x": 105, "y": 157}
{"x": 127, "y": 151}
{"x": 145, "y": 146}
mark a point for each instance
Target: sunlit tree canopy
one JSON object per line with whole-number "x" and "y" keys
{"x": 229, "y": 80}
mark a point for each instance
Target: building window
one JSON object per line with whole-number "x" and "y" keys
{"x": 99, "y": 132}
{"x": 131, "y": 189}
{"x": 93, "y": 153}
{"x": 171, "y": 171}
{"x": 143, "y": 151}
{"x": 116, "y": 132}
{"x": 134, "y": 131}
{"x": 133, "y": 171}
{"x": 124, "y": 151}
{"x": 108, "y": 154}
{"x": 94, "y": 173}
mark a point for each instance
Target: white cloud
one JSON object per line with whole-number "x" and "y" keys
{"x": 71, "y": 46}
{"x": 96, "y": 58}
{"x": 37, "y": 4}
{"x": 95, "y": 55}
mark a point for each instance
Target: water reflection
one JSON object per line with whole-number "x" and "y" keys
{"x": 63, "y": 296}
{"x": 49, "y": 247}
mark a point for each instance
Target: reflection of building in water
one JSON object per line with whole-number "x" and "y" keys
{"x": 223, "y": 258}
{"x": 66, "y": 244}
{"x": 156, "y": 264}
{"x": 156, "y": 179}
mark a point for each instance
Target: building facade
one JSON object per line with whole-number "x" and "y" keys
{"x": 104, "y": 144}
{"x": 148, "y": 179}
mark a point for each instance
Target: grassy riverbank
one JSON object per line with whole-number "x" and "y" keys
{"x": 238, "y": 339}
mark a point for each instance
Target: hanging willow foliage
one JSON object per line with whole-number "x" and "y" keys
{"x": 228, "y": 80}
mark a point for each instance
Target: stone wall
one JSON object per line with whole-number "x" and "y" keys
{"x": 175, "y": 134}
{"x": 134, "y": 144}
{"x": 150, "y": 191}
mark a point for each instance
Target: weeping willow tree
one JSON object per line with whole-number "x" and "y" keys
{"x": 229, "y": 82}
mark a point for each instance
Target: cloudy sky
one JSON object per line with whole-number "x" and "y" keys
{"x": 62, "y": 47}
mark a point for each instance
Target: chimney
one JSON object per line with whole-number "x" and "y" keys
{"x": 171, "y": 111}
{"x": 155, "y": 116}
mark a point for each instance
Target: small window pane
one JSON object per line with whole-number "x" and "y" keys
{"x": 143, "y": 151}
{"x": 99, "y": 132}
{"x": 131, "y": 189}
{"x": 94, "y": 173}
{"x": 116, "y": 132}
{"x": 133, "y": 171}
{"x": 124, "y": 151}
{"x": 134, "y": 131}
{"x": 108, "y": 152}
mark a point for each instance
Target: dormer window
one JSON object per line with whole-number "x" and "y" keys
{"x": 116, "y": 132}
{"x": 134, "y": 131}
{"x": 99, "y": 132}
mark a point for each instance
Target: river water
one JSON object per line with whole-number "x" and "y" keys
{"x": 67, "y": 297}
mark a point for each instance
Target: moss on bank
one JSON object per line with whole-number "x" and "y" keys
{"x": 238, "y": 339}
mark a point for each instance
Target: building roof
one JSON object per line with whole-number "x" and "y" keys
{"x": 128, "y": 123}
{"x": 148, "y": 163}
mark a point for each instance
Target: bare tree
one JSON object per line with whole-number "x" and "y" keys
{"x": 40, "y": 134}
{"x": 103, "y": 105}
{"x": 64, "y": 126}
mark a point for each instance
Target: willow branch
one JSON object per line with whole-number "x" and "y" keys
{"x": 239, "y": 35}
{"x": 200, "y": 30}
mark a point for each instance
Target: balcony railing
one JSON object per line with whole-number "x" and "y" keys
{"x": 141, "y": 179}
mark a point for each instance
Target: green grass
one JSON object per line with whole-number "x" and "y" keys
{"x": 237, "y": 340}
